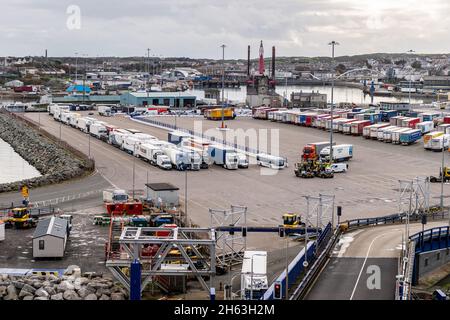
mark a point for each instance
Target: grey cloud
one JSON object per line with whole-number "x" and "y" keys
{"x": 196, "y": 28}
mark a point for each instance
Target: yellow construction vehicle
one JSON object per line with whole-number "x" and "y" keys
{"x": 20, "y": 218}
{"x": 439, "y": 179}
{"x": 292, "y": 220}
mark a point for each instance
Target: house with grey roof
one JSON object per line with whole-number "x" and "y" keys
{"x": 50, "y": 238}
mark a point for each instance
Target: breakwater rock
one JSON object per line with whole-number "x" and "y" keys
{"x": 73, "y": 285}
{"x": 54, "y": 162}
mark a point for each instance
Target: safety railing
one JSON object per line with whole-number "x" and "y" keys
{"x": 431, "y": 239}
{"x": 297, "y": 267}
{"x": 64, "y": 199}
{"x": 392, "y": 219}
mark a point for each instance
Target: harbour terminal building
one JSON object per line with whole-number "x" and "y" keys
{"x": 169, "y": 99}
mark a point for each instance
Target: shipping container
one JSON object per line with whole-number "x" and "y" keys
{"x": 410, "y": 123}
{"x": 381, "y": 131}
{"x": 425, "y": 127}
{"x": 395, "y": 138}
{"x": 357, "y": 127}
{"x": 427, "y": 138}
{"x": 410, "y": 137}
{"x": 373, "y": 134}
{"x": 387, "y": 134}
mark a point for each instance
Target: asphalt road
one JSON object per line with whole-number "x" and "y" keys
{"x": 351, "y": 267}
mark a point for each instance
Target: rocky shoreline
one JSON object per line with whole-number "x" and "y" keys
{"x": 73, "y": 285}
{"x": 55, "y": 163}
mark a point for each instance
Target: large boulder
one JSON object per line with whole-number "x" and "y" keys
{"x": 12, "y": 293}
{"x": 71, "y": 295}
{"x": 58, "y": 296}
{"x": 64, "y": 286}
{"x": 41, "y": 293}
{"x": 91, "y": 296}
{"x": 117, "y": 296}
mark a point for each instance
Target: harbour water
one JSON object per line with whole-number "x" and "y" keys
{"x": 341, "y": 94}
{"x": 13, "y": 167}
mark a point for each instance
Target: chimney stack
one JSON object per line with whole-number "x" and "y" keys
{"x": 248, "y": 62}
{"x": 273, "y": 62}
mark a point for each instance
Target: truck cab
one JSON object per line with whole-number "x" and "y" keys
{"x": 163, "y": 162}
{"x": 242, "y": 160}
{"x": 231, "y": 161}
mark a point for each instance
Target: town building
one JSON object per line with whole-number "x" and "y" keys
{"x": 307, "y": 100}
{"x": 436, "y": 82}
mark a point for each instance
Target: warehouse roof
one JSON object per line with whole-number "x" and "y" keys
{"x": 53, "y": 226}
{"x": 162, "y": 187}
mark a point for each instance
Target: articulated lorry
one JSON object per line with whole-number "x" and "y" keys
{"x": 177, "y": 157}
{"x": 98, "y": 131}
{"x": 105, "y": 110}
{"x": 115, "y": 196}
{"x": 312, "y": 150}
{"x": 223, "y": 156}
{"x": 203, "y": 154}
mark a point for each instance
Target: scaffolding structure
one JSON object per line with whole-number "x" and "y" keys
{"x": 230, "y": 246}
{"x": 414, "y": 197}
{"x": 319, "y": 211}
{"x": 164, "y": 252}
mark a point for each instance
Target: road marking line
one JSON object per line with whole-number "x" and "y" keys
{"x": 365, "y": 260}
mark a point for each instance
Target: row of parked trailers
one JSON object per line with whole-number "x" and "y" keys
{"x": 385, "y": 126}
{"x": 181, "y": 151}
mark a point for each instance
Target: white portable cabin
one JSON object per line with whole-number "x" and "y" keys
{"x": 50, "y": 238}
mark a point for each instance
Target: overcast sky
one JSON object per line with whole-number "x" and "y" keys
{"x": 196, "y": 28}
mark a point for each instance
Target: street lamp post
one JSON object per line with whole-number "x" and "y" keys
{"x": 410, "y": 81}
{"x": 223, "y": 83}
{"x": 442, "y": 175}
{"x": 76, "y": 67}
{"x": 332, "y": 44}
{"x": 134, "y": 167}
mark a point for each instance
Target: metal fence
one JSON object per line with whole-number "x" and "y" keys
{"x": 64, "y": 199}
{"x": 199, "y": 135}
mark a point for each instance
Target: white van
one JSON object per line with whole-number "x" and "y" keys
{"x": 339, "y": 167}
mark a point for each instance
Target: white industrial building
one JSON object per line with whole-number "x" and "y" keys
{"x": 50, "y": 238}
{"x": 163, "y": 194}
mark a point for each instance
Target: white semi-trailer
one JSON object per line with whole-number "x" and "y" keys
{"x": 254, "y": 281}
